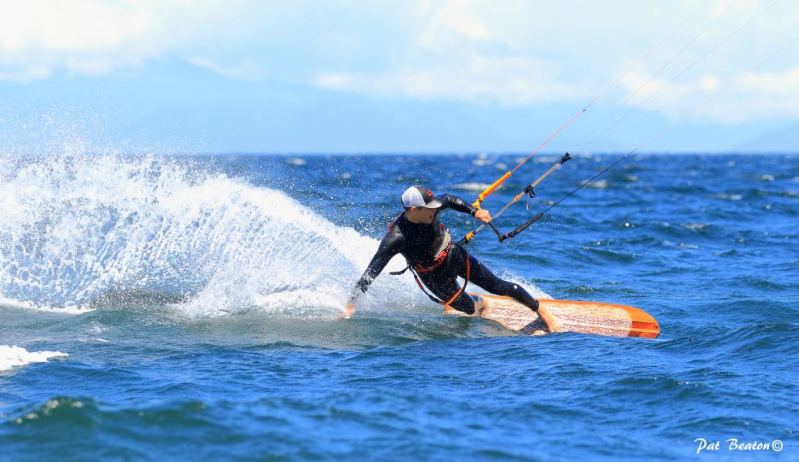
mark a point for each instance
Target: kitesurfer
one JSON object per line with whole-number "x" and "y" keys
{"x": 432, "y": 256}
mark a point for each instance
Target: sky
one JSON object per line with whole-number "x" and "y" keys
{"x": 314, "y": 76}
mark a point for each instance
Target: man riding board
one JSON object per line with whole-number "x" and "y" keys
{"x": 427, "y": 247}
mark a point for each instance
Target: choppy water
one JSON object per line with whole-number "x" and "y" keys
{"x": 186, "y": 308}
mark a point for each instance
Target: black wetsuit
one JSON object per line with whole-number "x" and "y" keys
{"x": 419, "y": 244}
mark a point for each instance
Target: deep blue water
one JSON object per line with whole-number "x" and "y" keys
{"x": 195, "y": 303}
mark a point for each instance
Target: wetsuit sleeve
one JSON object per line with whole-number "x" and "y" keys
{"x": 389, "y": 246}
{"x": 458, "y": 204}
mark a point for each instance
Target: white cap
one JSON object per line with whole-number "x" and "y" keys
{"x": 419, "y": 196}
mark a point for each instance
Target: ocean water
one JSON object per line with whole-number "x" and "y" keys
{"x": 187, "y": 308}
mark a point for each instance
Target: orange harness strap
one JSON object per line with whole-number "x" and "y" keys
{"x": 436, "y": 261}
{"x": 457, "y": 294}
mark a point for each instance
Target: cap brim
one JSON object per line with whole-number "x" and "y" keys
{"x": 433, "y": 204}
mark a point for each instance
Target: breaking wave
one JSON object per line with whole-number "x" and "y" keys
{"x": 85, "y": 231}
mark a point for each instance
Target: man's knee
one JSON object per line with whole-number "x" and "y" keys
{"x": 464, "y": 304}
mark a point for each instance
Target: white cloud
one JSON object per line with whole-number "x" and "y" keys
{"x": 94, "y": 36}
{"x": 453, "y": 19}
{"x": 775, "y": 84}
{"x": 513, "y": 52}
{"x": 26, "y": 74}
{"x": 732, "y": 99}
{"x": 478, "y": 79}
{"x": 755, "y": 96}
{"x": 713, "y": 75}
{"x": 463, "y": 50}
{"x": 240, "y": 71}
{"x": 659, "y": 94}
{"x": 523, "y": 53}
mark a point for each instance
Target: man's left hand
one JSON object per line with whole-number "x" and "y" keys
{"x": 483, "y": 215}
{"x": 349, "y": 310}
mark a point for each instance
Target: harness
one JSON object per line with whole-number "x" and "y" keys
{"x": 435, "y": 299}
{"x": 442, "y": 253}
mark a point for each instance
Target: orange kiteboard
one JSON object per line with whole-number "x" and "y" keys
{"x": 583, "y": 317}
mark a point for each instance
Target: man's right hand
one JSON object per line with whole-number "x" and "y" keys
{"x": 483, "y": 215}
{"x": 349, "y": 310}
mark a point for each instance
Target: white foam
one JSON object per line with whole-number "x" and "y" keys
{"x": 72, "y": 310}
{"x": 696, "y": 226}
{"x": 298, "y": 263}
{"x": 601, "y": 184}
{"x": 14, "y": 356}
{"x": 471, "y": 186}
{"x": 533, "y": 290}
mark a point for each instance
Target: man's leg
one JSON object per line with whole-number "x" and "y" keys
{"x": 483, "y": 277}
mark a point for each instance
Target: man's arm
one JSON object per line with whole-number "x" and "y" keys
{"x": 458, "y": 204}
{"x": 389, "y": 246}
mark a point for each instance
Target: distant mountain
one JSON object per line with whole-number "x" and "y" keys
{"x": 783, "y": 140}
{"x": 169, "y": 105}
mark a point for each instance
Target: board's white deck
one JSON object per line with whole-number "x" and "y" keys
{"x": 566, "y": 316}
{"x": 512, "y": 315}
{"x": 509, "y": 313}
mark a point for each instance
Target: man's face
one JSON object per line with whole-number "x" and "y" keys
{"x": 422, "y": 215}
